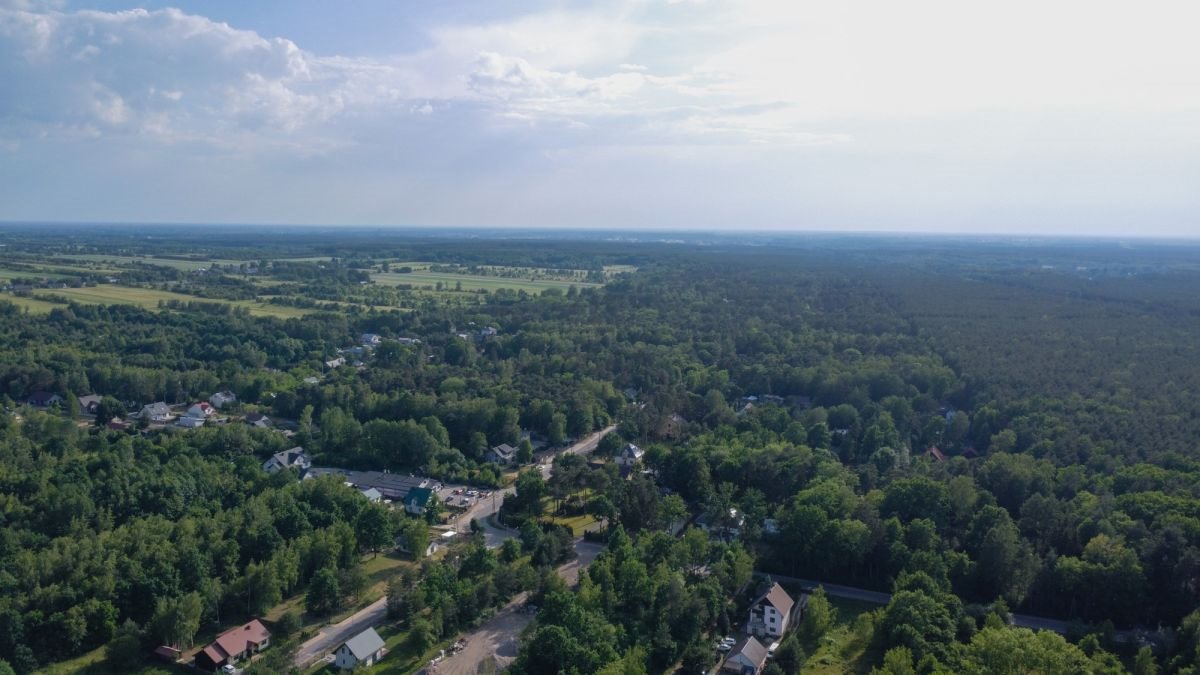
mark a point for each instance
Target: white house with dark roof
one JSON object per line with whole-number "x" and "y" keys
{"x": 222, "y": 398}
{"x": 292, "y": 458}
{"x": 364, "y": 649}
{"x": 771, "y": 613}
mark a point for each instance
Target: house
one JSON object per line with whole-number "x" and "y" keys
{"x": 630, "y": 455}
{"x": 727, "y": 528}
{"x": 408, "y": 341}
{"x": 672, "y": 427}
{"x": 370, "y": 340}
{"x": 335, "y": 363}
{"x": 89, "y": 404}
{"x": 746, "y": 658}
{"x": 201, "y": 410}
{"x": 935, "y": 453}
{"x": 374, "y": 496}
{"x": 393, "y": 486}
{"x": 417, "y": 499}
{"x": 190, "y": 422}
{"x": 488, "y": 332}
{"x": 502, "y": 454}
{"x": 221, "y": 399}
{"x": 118, "y": 424}
{"x": 44, "y": 399}
{"x": 366, "y": 649}
{"x": 234, "y": 645}
{"x": 312, "y": 379}
{"x": 771, "y": 613}
{"x": 258, "y": 420}
{"x": 168, "y": 653}
{"x": 155, "y": 412}
{"x": 293, "y": 458}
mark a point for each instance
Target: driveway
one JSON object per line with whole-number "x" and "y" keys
{"x": 498, "y": 638}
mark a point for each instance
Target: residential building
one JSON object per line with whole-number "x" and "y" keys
{"x": 201, "y": 410}
{"x": 190, "y": 422}
{"x": 335, "y": 363}
{"x": 370, "y": 340}
{"x": 417, "y": 500}
{"x": 374, "y": 496}
{"x": 630, "y": 455}
{"x": 156, "y": 412}
{"x": 234, "y": 645}
{"x": 44, "y": 399}
{"x": 502, "y": 454}
{"x": 222, "y": 398}
{"x": 771, "y": 613}
{"x": 747, "y": 657}
{"x": 364, "y": 649}
{"x": 89, "y": 404}
{"x": 393, "y": 486}
{"x": 258, "y": 420}
{"x": 292, "y": 458}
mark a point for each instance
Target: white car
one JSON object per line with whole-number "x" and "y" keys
{"x": 228, "y": 669}
{"x": 724, "y": 646}
{"x": 772, "y": 648}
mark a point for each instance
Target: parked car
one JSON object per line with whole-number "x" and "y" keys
{"x": 771, "y": 650}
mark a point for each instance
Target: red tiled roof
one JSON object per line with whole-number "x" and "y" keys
{"x": 237, "y": 640}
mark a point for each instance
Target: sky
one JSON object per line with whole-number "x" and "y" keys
{"x": 1065, "y": 117}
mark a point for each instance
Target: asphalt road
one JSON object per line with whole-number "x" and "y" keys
{"x": 498, "y": 637}
{"x": 329, "y": 637}
{"x": 864, "y": 595}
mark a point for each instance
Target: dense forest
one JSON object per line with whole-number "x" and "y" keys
{"x": 979, "y": 428}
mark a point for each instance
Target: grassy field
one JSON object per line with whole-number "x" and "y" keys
{"x": 147, "y": 298}
{"x": 185, "y": 265}
{"x": 471, "y": 282}
{"x": 33, "y": 305}
{"x": 842, "y": 650}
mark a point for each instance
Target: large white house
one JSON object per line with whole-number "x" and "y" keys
{"x": 366, "y": 649}
{"x": 630, "y": 455}
{"x": 771, "y": 613}
{"x": 222, "y": 398}
{"x": 293, "y": 458}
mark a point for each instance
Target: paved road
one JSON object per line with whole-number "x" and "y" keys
{"x": 329, "y": 637}
{"x": 498, "y": 637}
{"x": 864, "y": 595}
{"x": 484, "y": 508}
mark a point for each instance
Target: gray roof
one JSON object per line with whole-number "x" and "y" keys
{"x": 391, "y": 485}
{"x": 752, "y": 650}
{"x": 364, "y": 644}
{"x": 504, "y": 450}
{"x": 778, "y": 598}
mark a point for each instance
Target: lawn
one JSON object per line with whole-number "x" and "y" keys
{"x": 577, "y": 523}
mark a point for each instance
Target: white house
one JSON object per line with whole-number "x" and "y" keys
{"x": 221, "y": 399}
{"x": 366, "y": 649}
{"x": 630, "y": 455}
{"x": 335, "y": 363}
{"x": 771, "y": 613}
{"x": 293, "y": 458}
{"x": 201, "y": 410}
{"x": 370, "y": 340}
{"x": 502, "y": 454}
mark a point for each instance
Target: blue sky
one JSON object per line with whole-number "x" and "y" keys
{"x": 1069, "y": 117}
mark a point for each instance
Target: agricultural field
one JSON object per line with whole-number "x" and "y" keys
{"x": 185, "y": 265}
{"x": 147, "y": 298}
{"x": 473, "y": 282}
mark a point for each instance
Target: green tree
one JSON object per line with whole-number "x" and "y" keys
{"x": 324, "y": 593}
{"x": 818, "y": 618}
{"x": 373, "y": 528}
